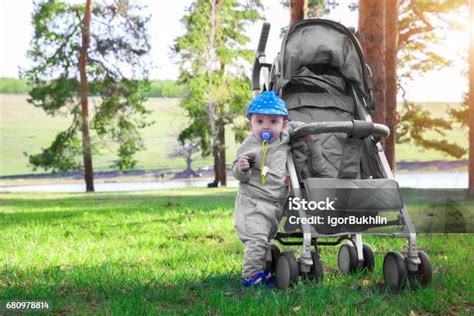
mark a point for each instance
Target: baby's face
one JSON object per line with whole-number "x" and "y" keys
{"x": 274, "y": 123}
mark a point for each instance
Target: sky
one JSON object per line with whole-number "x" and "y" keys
{"x": 16, "y": 31}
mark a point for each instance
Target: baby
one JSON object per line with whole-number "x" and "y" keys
{"x": 260, "y": 168}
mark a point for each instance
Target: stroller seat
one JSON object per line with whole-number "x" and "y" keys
{"x": 321, "y": 155}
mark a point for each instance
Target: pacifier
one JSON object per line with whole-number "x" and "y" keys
{"x": 266, "y": 136}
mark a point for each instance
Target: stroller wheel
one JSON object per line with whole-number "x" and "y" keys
{"x": 316, "y": 272}
{"x": 283, "y": 273}
{"x": 294, "y": 270}
{"x": 275, "y": 255}
{"x": 286, "y": 270}
{"x": 424, "y": 273}
{"x": 347, "y": 259}
{"x": 394, "y": 270}
{"x": 369, "y": 258}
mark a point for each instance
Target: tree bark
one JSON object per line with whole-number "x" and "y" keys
{"x": 371, "y": 35}
{"x": 222, "y": 162}
{"x": 212, "y": 104}
{"x": 391, "y": 41}
{"x": 470, "y": 190}
{"x": 86, "y": 145}
{"x": 298, "y": 10}
{"x": 215, "y": 154}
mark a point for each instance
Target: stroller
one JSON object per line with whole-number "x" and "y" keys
{"x": 336, "y": 158}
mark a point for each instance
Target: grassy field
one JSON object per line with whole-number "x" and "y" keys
{"x": 24, "y": 128}
{"x": 176, "y": 252}
{"x": 17, "y": 135}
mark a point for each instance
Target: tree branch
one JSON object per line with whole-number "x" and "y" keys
{"x": 405, "y": 37}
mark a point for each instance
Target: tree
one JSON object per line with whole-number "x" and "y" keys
{"x": 83, "y": 57}
{"x": 186, "y": 151}
{"x": 212, "y": 58}
{"x": 111, "y": 41}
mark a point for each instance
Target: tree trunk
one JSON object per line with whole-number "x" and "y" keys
{"x": 371, "y": 33}
{"x": 470, "y": 191}
{"x": 188, "y": 172}
{"x": 86, "y": 145}
{"x": 391, "y": 41}
{"x": 298, "y": 10}
{"x": 212, "y": 105}
{"x": 222, "y": 165}
{"x": 189, "y": 161}
{"x": 215, "y": 154}
{"x": 214, "y": 141}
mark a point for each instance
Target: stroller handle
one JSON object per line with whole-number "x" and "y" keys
{"x": 354, "y": 128}
{"x": 262, "y": 41}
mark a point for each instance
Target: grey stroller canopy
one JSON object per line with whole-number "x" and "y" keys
{"x": 321, "y": 74}
{"x": 321, "y": 53}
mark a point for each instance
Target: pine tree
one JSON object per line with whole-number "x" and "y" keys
{"x": 213, "y": 55}
{"x": 111, "y": 41}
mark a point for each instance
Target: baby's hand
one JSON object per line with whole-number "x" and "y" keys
{"x": 244, "y": 164}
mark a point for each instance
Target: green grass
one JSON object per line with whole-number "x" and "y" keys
{"x": 24, "y": 128}
{"x": 13, "y": 86}
{"x": 176, "y": 252}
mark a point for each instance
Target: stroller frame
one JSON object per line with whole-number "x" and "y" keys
{"x": 397, "y": 267}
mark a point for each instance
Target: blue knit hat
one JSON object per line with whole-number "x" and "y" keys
{"x": 268, "y": 103}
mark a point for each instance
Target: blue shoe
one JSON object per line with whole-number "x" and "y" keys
{"x": 259, "y": 278}
{"x": 270, "y": 281}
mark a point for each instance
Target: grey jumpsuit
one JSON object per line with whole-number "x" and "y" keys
{"x": 258, "y": 207}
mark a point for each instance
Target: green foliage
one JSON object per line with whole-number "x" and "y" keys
{"x": 116, "y": 71}
{"x": 121, "y": 122}
{"x": 63, "y": 153}
{"x": 460, "y": 114}
{"x": 422, "y": 27}
{"x": 212, "y": 66}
